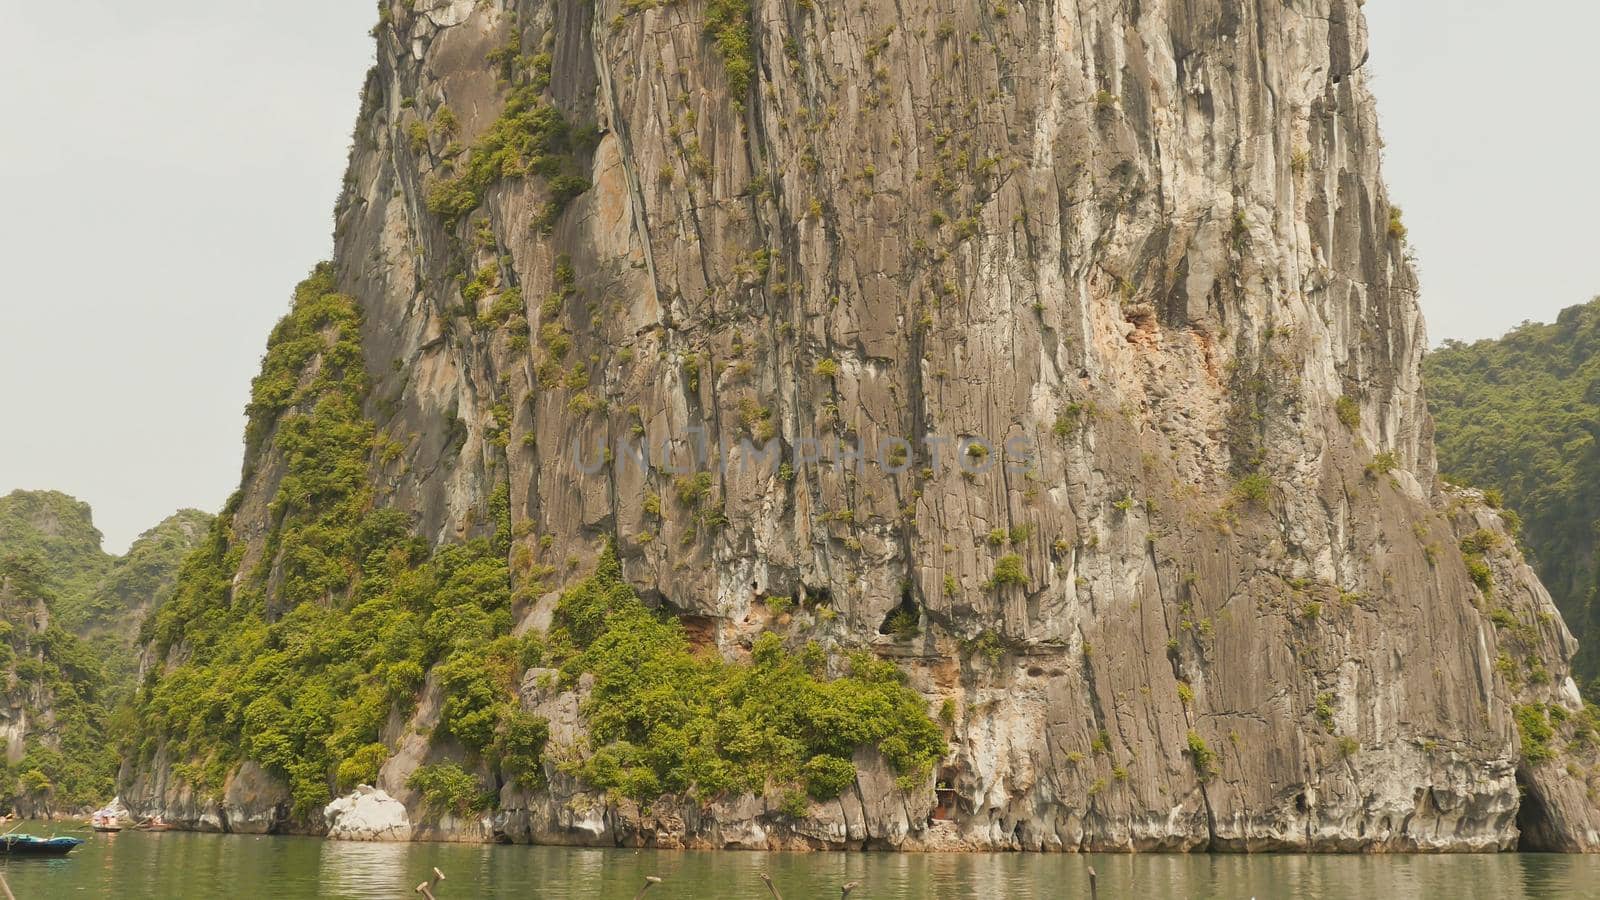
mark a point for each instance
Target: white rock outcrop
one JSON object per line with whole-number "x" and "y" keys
{"x": 367, "y": 814}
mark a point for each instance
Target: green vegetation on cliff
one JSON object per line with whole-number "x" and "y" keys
{"x": 68, "y": 616}
{"x": 59, "y": 530}
{"x": 300, "y": 666}
{"x": 530, "y": 137}
{"x": 1519, "y": 416}
{"x": 143, "y": 575}
{"x": 343, "y": 615}
{"x": 137, "y": 583}
{"x": 665, "y": 719}
{"x": 53, "y": 694}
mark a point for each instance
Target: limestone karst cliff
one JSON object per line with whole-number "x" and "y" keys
{"x": 1163, "y": 554}
{"x": 69, "y": 622}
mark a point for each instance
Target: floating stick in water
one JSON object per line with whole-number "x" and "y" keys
{"x": 768, "y": 879}
{"x": 649, "y": 881}
{"x": 426, "y": 888}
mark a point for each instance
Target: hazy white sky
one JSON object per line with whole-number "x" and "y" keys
{"x": 168, "y": 172}
{"x": 1489, "y": 113}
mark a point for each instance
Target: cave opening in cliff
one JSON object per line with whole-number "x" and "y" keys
{"x": 905, "y": 619}
{"x": 1535, "y": 831}
{"x": 947, "y": 799}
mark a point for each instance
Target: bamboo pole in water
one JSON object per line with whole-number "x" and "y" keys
{"x": 426, "y": 888}
{"x": 1092, "y": 886}
{"x": 3, "y": 884}
{"x": 844, "y": 892}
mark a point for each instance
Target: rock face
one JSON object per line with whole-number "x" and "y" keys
{"x": 252, "y": 801}
{"x": 1197, "y": 587}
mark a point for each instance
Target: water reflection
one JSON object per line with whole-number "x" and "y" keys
{"x": 176, "y": 866}
{"x": 362, "y": 870}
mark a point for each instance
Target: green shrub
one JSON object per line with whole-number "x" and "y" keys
{"x": 529, "y": 138}
{"x": 1478, "y": 570}
{"x": 728, "y": 24}
{"x": 988, "y": 644}
{"x": 664, "y": 719}
{"x": 1067, "y": 420}
{"x": 1008, "y": 570}
{"x": 1349, "y": 412}
{"x": 1324, "y": 710}
{"x": 361, "y": 767}
{"x": 793, "y": 803}
{"x": 418, "y": 134}
{"x": 1397, "y": 227}
{"x": 692, "y": 489}
{"x": 1255, "y": 488}
{"x": 827, "y": 777}
{"x": 1383, "y": 463}
{"x": 474, "y": 703}
{"x": 1480, "y": 542}
{"x": 1205, "y": 759}
{"x": 449, "y": 788}
{"x": 904, "y": 624}
{"x": 520, "y": 746}
{"x": 1533, "y": 725}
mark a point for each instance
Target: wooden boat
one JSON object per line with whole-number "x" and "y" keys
{"x": 33, "y": 845}
{"x": 105, "y": 822}
{"x": 154, "y": 826}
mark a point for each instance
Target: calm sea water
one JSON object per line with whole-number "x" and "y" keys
{"x": 176, "y": 866}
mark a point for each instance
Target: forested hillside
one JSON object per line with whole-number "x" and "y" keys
{"x": 1519, "y": 416}
{"x": 69, "y": 622}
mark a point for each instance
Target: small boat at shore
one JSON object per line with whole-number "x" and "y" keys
{"x": 33, "y": 845}
{"x": 106, "y": 820}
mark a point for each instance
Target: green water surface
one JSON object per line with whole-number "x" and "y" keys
{"x": 178, "y": 866}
